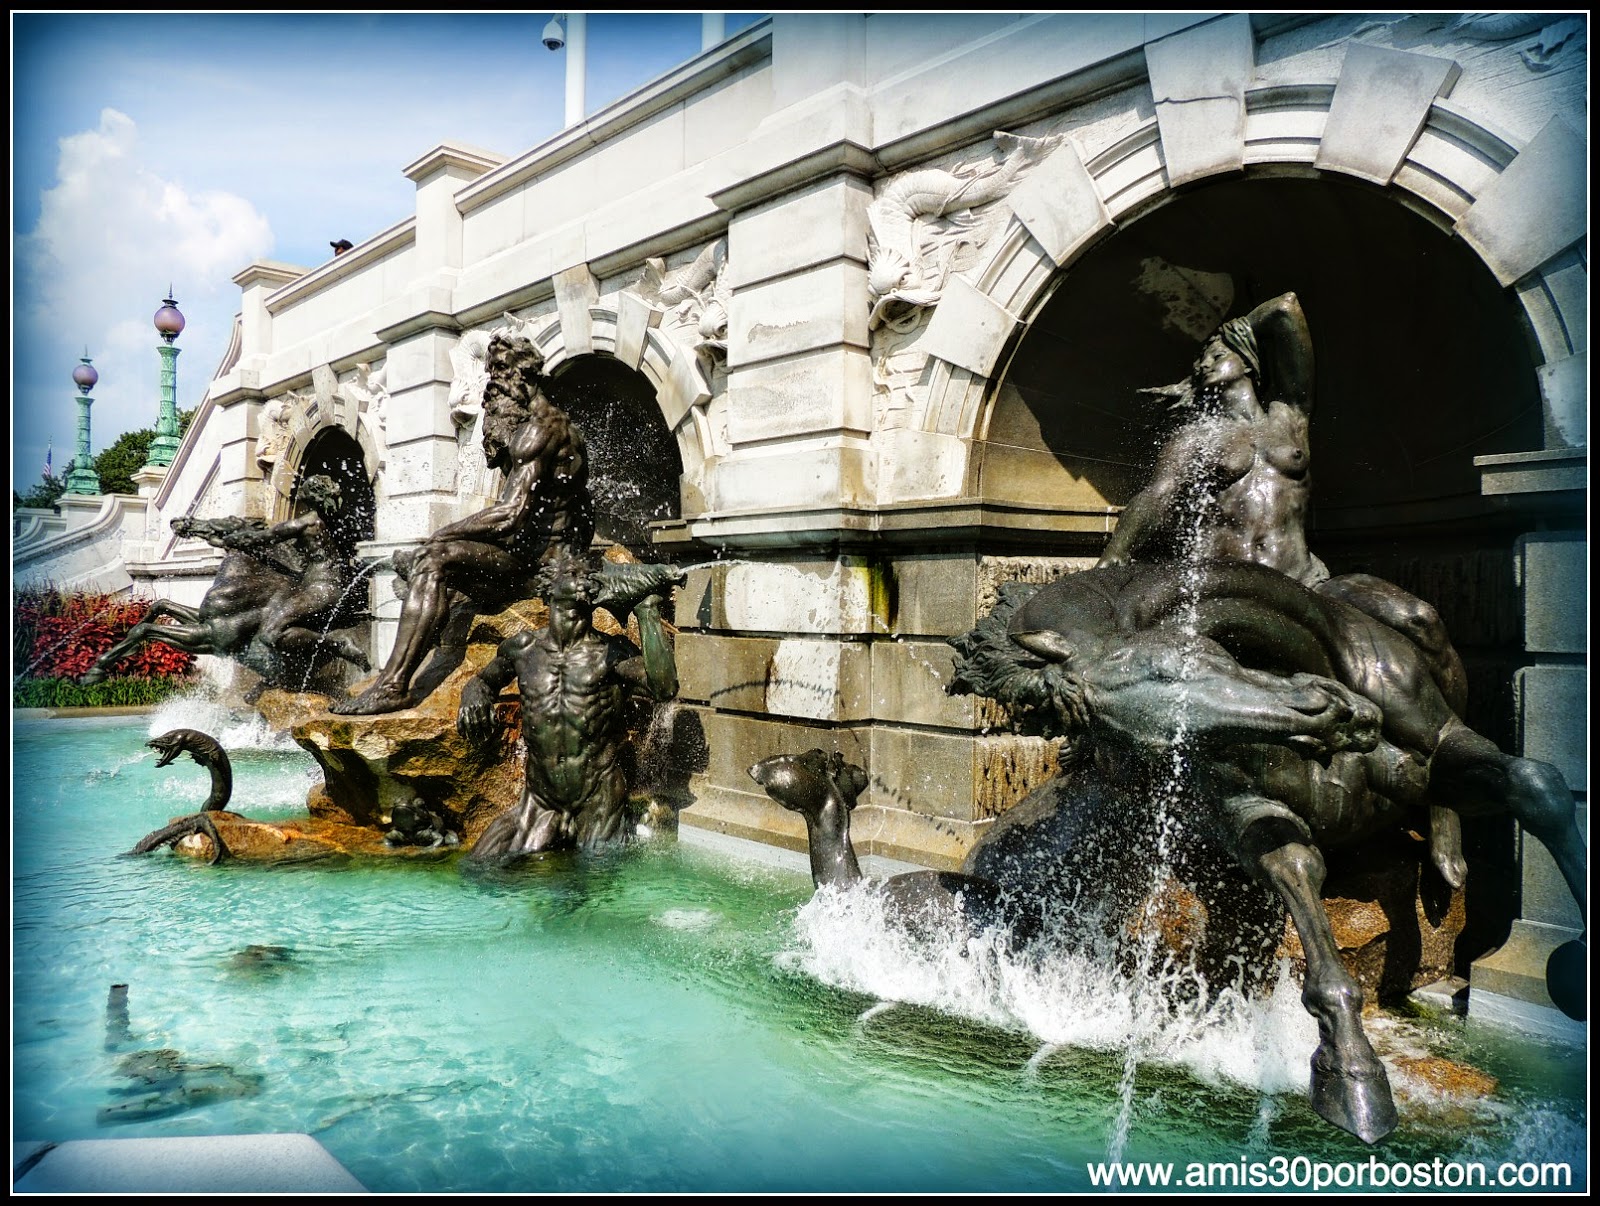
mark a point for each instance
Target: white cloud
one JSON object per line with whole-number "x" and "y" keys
{"x": 112, "y": 236}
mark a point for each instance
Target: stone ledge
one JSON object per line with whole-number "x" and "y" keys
{"x": 873, "y": 866}
{"x": 1545, "y": 471}
{"x": 1527, "y": 1021}
{"x": 1509, "y": 982}
{"x": 907, "y": 838}
{"x": 201, "y": 1164}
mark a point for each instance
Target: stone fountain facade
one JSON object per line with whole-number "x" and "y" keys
{"x": 887, "y": 286}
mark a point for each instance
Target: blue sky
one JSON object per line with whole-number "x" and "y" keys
{"x": 154, "y": 149}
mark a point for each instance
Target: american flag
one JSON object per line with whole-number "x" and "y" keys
{"x": 49, "y": 469}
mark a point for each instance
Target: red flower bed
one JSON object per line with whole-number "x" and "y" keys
{"x": 62, "y": 635}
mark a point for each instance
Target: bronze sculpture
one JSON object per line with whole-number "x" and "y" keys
{"x": 823, "y": 789}
{"x": 275, "y": 601}
{"x": 575, "y": 684}
{"x": 1308, "y": 724}
{"x": 1238, "y": 467}
{"x": 491, "y": 557}
{"x": 1233, "y": 482}
{"x": 205, "y": 750}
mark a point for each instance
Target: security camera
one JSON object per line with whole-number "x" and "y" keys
{"x": 554, "y": 36}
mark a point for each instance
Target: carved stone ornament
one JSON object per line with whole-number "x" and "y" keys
{"x": 929, "y": 223}
{"x": 697, "y": 296}
{"x": 369, "y": 393}
{"x": 274, "y": 436}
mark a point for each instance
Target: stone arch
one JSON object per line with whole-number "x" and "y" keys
{"x": 634, "y": 462}
{"x": 308, "y": 421}
{"x": 629, "y": 331}
{"x": 1520, "y": 209}
{"x": 334, "y": 452}
{"x": 1422, "y": 363}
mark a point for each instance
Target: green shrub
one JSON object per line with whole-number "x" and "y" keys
{"x": 112, "y": 693}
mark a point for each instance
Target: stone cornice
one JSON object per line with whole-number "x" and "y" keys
{"x": 922, "y": 525}
{"x": 425, "y": 320}
{"x": 740, "y": 52}
{"x": 844, "y": 157}
{"x": 452, "y": 154}
{"x": 269, "y": 272}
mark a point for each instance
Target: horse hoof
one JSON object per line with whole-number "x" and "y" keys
{"x": 1354, "y": 1097}
{"x": 1451, "y": 866}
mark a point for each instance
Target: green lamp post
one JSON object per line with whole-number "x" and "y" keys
{"x": 169, "y": 324}
{"x": 81, "y": 477}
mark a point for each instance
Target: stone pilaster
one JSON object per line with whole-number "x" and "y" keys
{"x": 1508, "y": 985}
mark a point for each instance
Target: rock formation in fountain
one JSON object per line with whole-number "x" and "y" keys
{"x": 490, "y": 558}
{"x": 823, "y": 789}
{"x": 215, "y": 833}
{"x": 1280, "y": 721}
{"x": 277, "y": 597}
{"x": 374, "y": 765}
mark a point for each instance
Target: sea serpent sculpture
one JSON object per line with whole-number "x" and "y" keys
{"x": 204, "y": 750}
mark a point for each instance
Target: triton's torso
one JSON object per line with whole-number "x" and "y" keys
{"x": 557, "y": 481}
{"x": 573, "y": 718}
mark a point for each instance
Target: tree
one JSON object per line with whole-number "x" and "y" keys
{"x": 117, "y": 464}
{"x": 128, "y": 454}
{"x": 44, "y": 493}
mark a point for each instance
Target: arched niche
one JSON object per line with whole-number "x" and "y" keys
{"x": 334, "y": 452}
{"x": 1422, "y": 361}
{"x": 634, "y": 460}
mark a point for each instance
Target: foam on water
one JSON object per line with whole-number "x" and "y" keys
{"x": 844, "y": 938}
{"x": 1531, "y": 1133}
{"x": 687, "y": 919}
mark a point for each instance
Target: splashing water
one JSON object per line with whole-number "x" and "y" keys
{"x": 849, "y": 939}
{"x": 877, "y": 1011}
{"x": 234, "y": 731}
{"x": 1156, "y": 974}
{"x": 99, "y": 774}
{"x": 716, "y": 563}
{"x": 337, "y": 610}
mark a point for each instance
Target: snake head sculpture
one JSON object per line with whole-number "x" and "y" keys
{"x": 202, "y": 748}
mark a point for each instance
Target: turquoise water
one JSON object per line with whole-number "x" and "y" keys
{"x": 661, "y": 1018}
